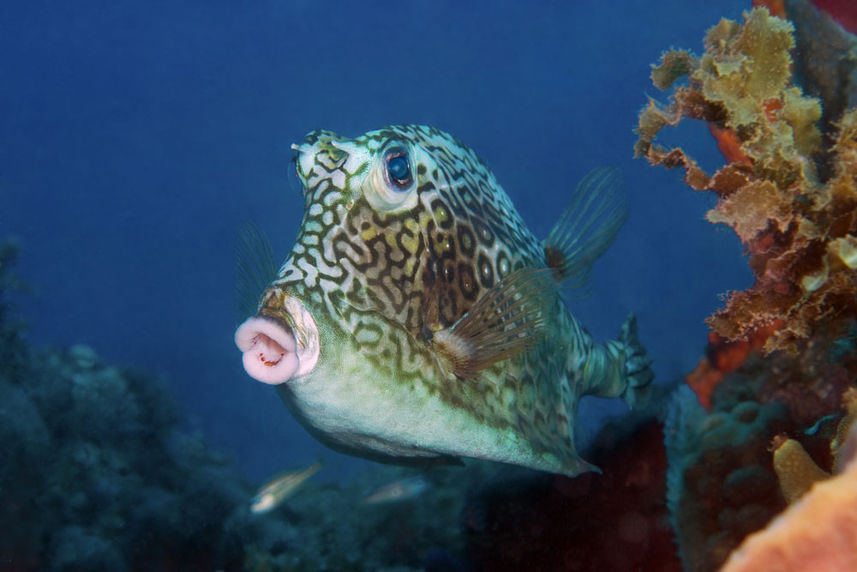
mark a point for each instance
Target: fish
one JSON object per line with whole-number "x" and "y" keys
{"x": 273, "y": 493}
{"x": 417, "y": 319}
{"x": 397, "y": 491}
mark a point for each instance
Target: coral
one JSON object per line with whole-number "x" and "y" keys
{"x": 722, "y": 481}
{"x": 723, "y": 357}
{"x": 721, "y": 485}
{"x": 797, "y": 471}
{"x": 798, "y": 229}
{"x": 819, "y": 532}
{"x": 842, "y": 446}
{"x": 825, "y": 59}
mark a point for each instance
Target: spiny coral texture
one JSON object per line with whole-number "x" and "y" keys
{"x": 800, "y": 231}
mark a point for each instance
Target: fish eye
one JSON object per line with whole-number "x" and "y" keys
{"x": 390, "y": 184}
{"x": 398, "y": 168}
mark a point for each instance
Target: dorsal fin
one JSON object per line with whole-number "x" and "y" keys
{"x": 255, "y": 268}
{"x": 504, "y": 322}
{"x": 586, "y": 227}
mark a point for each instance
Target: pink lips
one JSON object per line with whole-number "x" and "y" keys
{"x": 270, "y": 350}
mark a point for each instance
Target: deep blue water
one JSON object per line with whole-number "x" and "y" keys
{"x": 137, "y": 136}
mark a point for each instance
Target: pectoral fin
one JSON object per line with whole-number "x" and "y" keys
{"x": 504, "y": 322}
{"x": 254, "y": 268}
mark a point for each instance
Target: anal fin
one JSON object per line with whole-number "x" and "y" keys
{"x": 505, "y": 321}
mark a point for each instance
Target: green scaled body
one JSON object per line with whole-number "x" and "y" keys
{"x": 418, "y": 318}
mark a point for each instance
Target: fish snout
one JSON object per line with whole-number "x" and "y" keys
{"x": 321, "y": 147}
{"x": 275, "y": 352}
{"x": 270, "y": 351}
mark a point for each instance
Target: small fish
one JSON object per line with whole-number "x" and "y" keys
{"x": 400, "y": 490}
{"x": 418, "y": 319}
{"x": 274, "y": 492}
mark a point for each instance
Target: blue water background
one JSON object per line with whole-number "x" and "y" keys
{"x": 137, "y": 136}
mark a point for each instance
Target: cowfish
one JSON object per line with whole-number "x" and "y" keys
{"x": 278, "y": 489}
{"x": 417, "y": 320}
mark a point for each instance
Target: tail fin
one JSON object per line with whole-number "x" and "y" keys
{"x": 638, "y": 370}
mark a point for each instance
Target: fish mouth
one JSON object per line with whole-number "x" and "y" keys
{"x": 275, "y": 352}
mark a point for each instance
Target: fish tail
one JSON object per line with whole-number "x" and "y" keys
{"x": 637, "y": 365}
{"x": 618, "y": 368}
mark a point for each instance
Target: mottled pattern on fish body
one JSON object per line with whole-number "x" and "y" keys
{"x": 385, "y": 266}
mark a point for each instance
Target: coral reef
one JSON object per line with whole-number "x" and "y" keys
{"x": 825, "y": 58}
{"x": 819, "y": 532}
{"x": 789, "y": 191}
{"x": 798, "y": 226}
{"x": 95, "y": 476}
{"x": 721, "y": 484}
{"x": 723, "y": 481}
{"x": 797, "y": 471}
{"x": 723, "y": 357}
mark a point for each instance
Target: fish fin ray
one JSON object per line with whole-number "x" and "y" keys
{"x": 586, "y": 227}
{"x": 638, "y": 366}
{"x": 254, "y": 267}
{"x": 506, "y": 321}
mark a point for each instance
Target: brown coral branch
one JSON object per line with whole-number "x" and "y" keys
{"x": 800, "y": 233}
